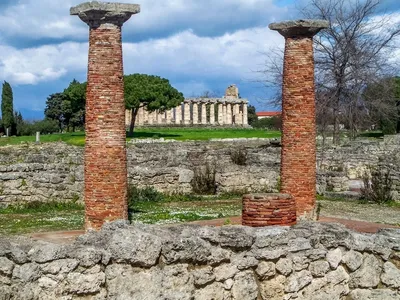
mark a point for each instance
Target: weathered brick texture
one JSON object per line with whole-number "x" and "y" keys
{"x": 298, "y": 160}
{"x": 298, "y": 157}
{"x": 268, "y": 209}
{"x": 105, "y": 150}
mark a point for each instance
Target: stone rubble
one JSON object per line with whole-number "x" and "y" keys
{"x": 122, "y": 261}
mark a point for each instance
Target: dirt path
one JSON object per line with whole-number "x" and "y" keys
{"x": 352, "y": 210}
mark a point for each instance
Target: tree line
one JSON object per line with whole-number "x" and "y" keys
{"x": 12, "y": 122}
{"x": 140, "y": 90}
{"x": 65, "y": 111}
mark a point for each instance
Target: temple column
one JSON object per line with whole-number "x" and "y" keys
{"x": 245, "y": 114}
{"x": 140, "y": 116}
{"x": 128, "y": 116}
{"x": 220, "y": 113}
{"x": 178, "y": 114}
{"x": 204, "y": 113}
{"x": 212, "y": 113}
{"x": 224, "y": 118}
{"x": 168, "y": 116}
{"x": 195, "y": 108}
{"x": 160, "y": 117}
{"x": 236, "y": 111}
{"x": 145, "y": 116}
{"x": 186, "y": 113}
{"x": 229, "y": 114}
{"x": 151, "y": 117}
{"x": 105, "y": 162}
{"x": 298, "y": 156}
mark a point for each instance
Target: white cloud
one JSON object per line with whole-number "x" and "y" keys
{"x": 44, "y": 63}
{"x": 184, "y": 55}
{"x": 35, "y": 19}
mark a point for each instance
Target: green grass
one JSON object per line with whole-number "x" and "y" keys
{"x": 181, "y": 134}
{"x": 41, "y": 217}
{"x": 53, "y": 216}
{"x": 75, "y": 138}
{"x": 176, "y": 212}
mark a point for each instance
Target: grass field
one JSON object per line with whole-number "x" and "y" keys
{"x": 70, "y": 216}
{"x": 182, "y": 134}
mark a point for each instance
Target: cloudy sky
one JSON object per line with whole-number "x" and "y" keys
{"x": 198, "y": 45}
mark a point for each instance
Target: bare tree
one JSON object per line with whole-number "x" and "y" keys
{"x": 272, "y": 74}
{"x": 351, "y": 54}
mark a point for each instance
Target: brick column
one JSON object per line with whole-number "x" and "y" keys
{"x": 212, "y": 113}
{"x": 105, "y": 147}
{"x": 298, "y": 157}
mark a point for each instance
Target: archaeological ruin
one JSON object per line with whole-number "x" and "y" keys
{"x": 117, "y": 260}
{"x": 229, "y": 110}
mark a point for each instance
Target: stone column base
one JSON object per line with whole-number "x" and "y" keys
{"x": 261, "y": 210}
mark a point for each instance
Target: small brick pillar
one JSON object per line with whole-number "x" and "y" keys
{"x": 268, "y": 209}
{"x": 298, "y": 157}
{"x": 105, "y": 147}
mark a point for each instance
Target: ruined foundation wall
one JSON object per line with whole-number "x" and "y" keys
{"x": 307, "y": 261}
{"x": 54, "y": 171}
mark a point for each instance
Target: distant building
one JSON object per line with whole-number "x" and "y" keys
{"x": 230, "y": 110}
{"x": 268, "y": 114}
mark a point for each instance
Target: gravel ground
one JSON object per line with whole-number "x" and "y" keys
{"x": 353, "y": 210}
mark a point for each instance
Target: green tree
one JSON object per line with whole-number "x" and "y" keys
{"x": 251, "y": 115}
{"x": 19, "y": 122}
{"x": 152, "y": 92}
{"x": 73, "y": 105}
{"x": 382, "y": 99}
{"x": 7, "y": 110}
{"x": 54, "y": 109}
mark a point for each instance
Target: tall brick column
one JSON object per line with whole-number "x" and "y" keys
{"x": 105, "y": 148}
{"x": 298, "y": 157}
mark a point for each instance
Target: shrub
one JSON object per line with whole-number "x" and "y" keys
{"x": 147, "y": 194}
{"x": 44, "y": 127}
{"x": 203, "y": 182}
{"x": 274, "y": 123}
{"x": 239, "y": 156}
{"x": 377, "y": 186}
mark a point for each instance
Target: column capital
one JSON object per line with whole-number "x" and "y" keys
{"x": 299, "y": 28}
{"x": 104, "y": 14}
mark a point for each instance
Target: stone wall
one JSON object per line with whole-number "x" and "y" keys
{"x": 55, "y": 170}
{"x": 307, "y": 261}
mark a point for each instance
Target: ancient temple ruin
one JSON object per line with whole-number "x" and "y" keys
{"x": 230, "y": 110}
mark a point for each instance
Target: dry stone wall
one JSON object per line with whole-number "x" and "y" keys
{"x": 307, "y": 261}
{"x": 54, "y": 171}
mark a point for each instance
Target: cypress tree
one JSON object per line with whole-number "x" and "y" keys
{"x": 7, "y": 110}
